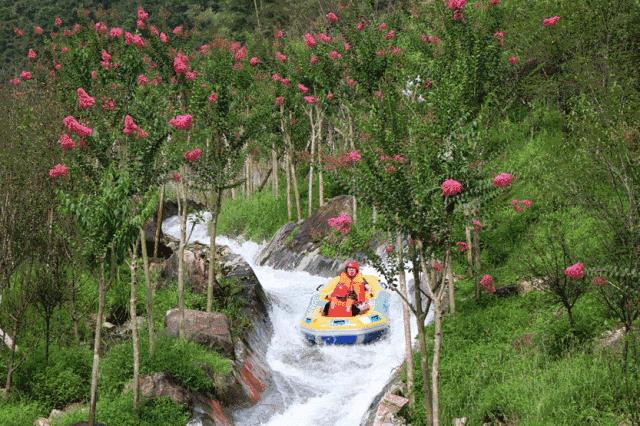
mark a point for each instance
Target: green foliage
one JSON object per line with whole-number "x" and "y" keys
{"x": 65, "y": 379}
{"x": 118, "y": 409}
{"x": 20, "y": 413}
{"x": 256, "y": 218}
{"x": 190, "y": 364}
{"x": 496, "y": 365}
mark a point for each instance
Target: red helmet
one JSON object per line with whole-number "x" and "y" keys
{"x": 352, "y": 264}
{"x": 341, "y": 290}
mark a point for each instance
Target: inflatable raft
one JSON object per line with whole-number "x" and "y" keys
{"x": 363, "y": 328}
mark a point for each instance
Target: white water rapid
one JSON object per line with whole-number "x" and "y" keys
{"x": 313, "y": 385}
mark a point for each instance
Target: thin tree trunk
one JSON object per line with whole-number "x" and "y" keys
{"x": 213, "y": 230}
{"x": 182, "y": 211}
{"x": 255, "y": 5}
{"x": 156, "y": 239}
{"x": 422, "y": 338}
{"x": 312, "y": 160}
{"x": 11, "y": 368}
{"x": 354, "y": 206}
{"x": 96, "y": 346}
{"x": 374, "y": 215}
{"x": 73, "y": 311}
{"x": 133, "y": 267}
{"x": 274, "y": 166}
{"x": 406, "y": 318}
{"x": 150, "y": 291}
{"x": 435, "y": 367}
{"x": 47, "y": 336}
{"x": 452, "y": 291}
{"x": 288, "y": 175}
{"x": 296, "y": 192}
{"x": 320, "y": 179}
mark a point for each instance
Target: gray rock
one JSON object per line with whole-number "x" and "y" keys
{"x": 296, "y": 246}
{"x": 208, "y": 329}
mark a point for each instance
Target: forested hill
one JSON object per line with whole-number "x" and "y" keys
{"x": 206, "y": 19}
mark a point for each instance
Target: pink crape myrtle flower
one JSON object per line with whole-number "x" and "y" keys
{"x": 280, "y": 100}
{"x": 213, "y": 97}
{"x": 59, "y": 170}
{"x": 391, "y": 34}
{"x": 311, "y": 100}
{"x": 388, "y": 248}
{"x": 181, "y": 63}
{"x": 142, "y": 14}
{"x": 130, "y": 126}
{"x": 38, "y": 30}
{"x": 332, "y": 18}
{"x": 76, "y": 127}
{"x": 278, "y": 34}
{"x": 486, "y": 280}
{"x": 66, "y": 143}
{"x": 346, "y": 46}
{"x": 334, "y": 54}
{"x": 575, "y": 271}
{"x": 462, "y": 246}
{"x": 32, "y": 54}
{"x": 177, "y": 30}
{"x": 526, "y": 203}
{"x": 382, "y": 26}
{"x": 477, "y": 225}
{"x": 451, "y": 187}
{"x": 341, "y": 223}
{"x": 325, "y": 38}
{"x": 281, "y": 57}
{"x": 314, "y": 59}
{"x": 57, "y": 21}
{"x": 254, "y": 61}
{"x": 116, "y": 32}
{"x": 163, "y": 38}
{"x": 176, "y": 176}
{"x": 330, "y": 96}
{"x": 503, "y": 180}
{"x": 353, "y": 156}
{"x": 456, "y": 4}
{"x": 181, "y": 122}
{"x": 108, "y": 104}
{"x": 437, "y": 266}
{"x": 25, "y": 75}
{"x": 192, "y": 155}
{"x": 302, "y": 88}
{"x": 15, "y": 81}
{"x": 143, "y": 80}
{"x": 549, "y": 22}
{"x": 310, "y": 40}
{"x": 190, "y": 75}
{"x": 360, "y": 26}
{"x": 84, "y": 100}
{"x": 513, "y": 60}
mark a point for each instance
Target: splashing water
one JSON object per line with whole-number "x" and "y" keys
{"x": 312, "y": 385}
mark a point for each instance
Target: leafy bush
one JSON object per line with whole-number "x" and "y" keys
{"x": 20, "y": 413}
{"x": 118, "y": 410}
{"x": 64, "y": 380}
{"x": 186, "y": 362}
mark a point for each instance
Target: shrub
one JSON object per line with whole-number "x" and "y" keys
{"x": 20, "y": 413}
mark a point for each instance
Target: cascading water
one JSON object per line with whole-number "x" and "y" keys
{"x": 313, "y": 385}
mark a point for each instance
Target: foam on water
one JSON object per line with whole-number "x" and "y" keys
{"x": 313, "y": 385}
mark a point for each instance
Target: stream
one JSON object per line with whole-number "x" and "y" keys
{"x": 312, "y": 385}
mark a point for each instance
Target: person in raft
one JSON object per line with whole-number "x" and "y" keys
{"x": 349, "y": 297}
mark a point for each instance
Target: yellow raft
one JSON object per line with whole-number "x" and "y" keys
{"x": 364, "y": 328}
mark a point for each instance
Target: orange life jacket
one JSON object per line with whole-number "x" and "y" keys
{"x": 357, "y": 284}
{"x": 340, "y": 308}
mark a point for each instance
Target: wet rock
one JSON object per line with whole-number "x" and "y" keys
{"x": 210, "y": 329}
{"x": 528, "y": 285}
{"x": 55, "y": 413}
{"x": 611, "y": 339}
{"x": 296, "y": 246}
{"x": 161, "y": 385}
{"x": 462, "y": 421}
{"x": 195, "y": 264}
{"x": 385, "y": 406}
{"x": 42, "y": 422}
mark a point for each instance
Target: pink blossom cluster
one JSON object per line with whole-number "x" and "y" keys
{"x": 131, "y": 128}
{"x": 254, "y": 61}
{"x": 302, "y": 88}
{"x": 341, "y": 223}
{"x": 353, "y": 157}
{"x": 513, "y": 60}
{"x": 84, "y": 100}
{"x": 59, "y": 170}
{"x": 520, "y": 205}
{"x": 106, "y": 60}
{"x": 332, "y": 18}
{"x": 66, "y": 143}
{"x": 334, "y": 54}
{"x": 458, "y": 8}
{"x": 487, "y": 283}
{"x": 575, "y": 271}
{"x": 311, "y": 100}
{"x": 462, "y": 246}
{"x": 181, "y": 63}
{"x": 25, "y": 75}
{"x": 213, "y": 97}
{"x": 430, "y": 39}
{"x": 181, "y": 122}
{"x": 279, "y": 100}
{"x": 76, "y": 127}
{"x": 310, "y": 40}
{"x": 599, "y": 281}
{"x": 503, "y": 180}
{"x": 31, "y": 54}
{"x": 451, "y": 187}
{"x": 325, "y": 38}
{"x": 280, "y": 57}
{"x": 549, "y": 22}
{"x": 192, "y": 155}
{"x": 477, "y": 225}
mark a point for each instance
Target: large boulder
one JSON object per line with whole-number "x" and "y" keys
{"x": 162, "y": 385}
{"x": 296, "y": 246}
{"x": 195, "y": 264}
{"x": 210, "y": 329}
